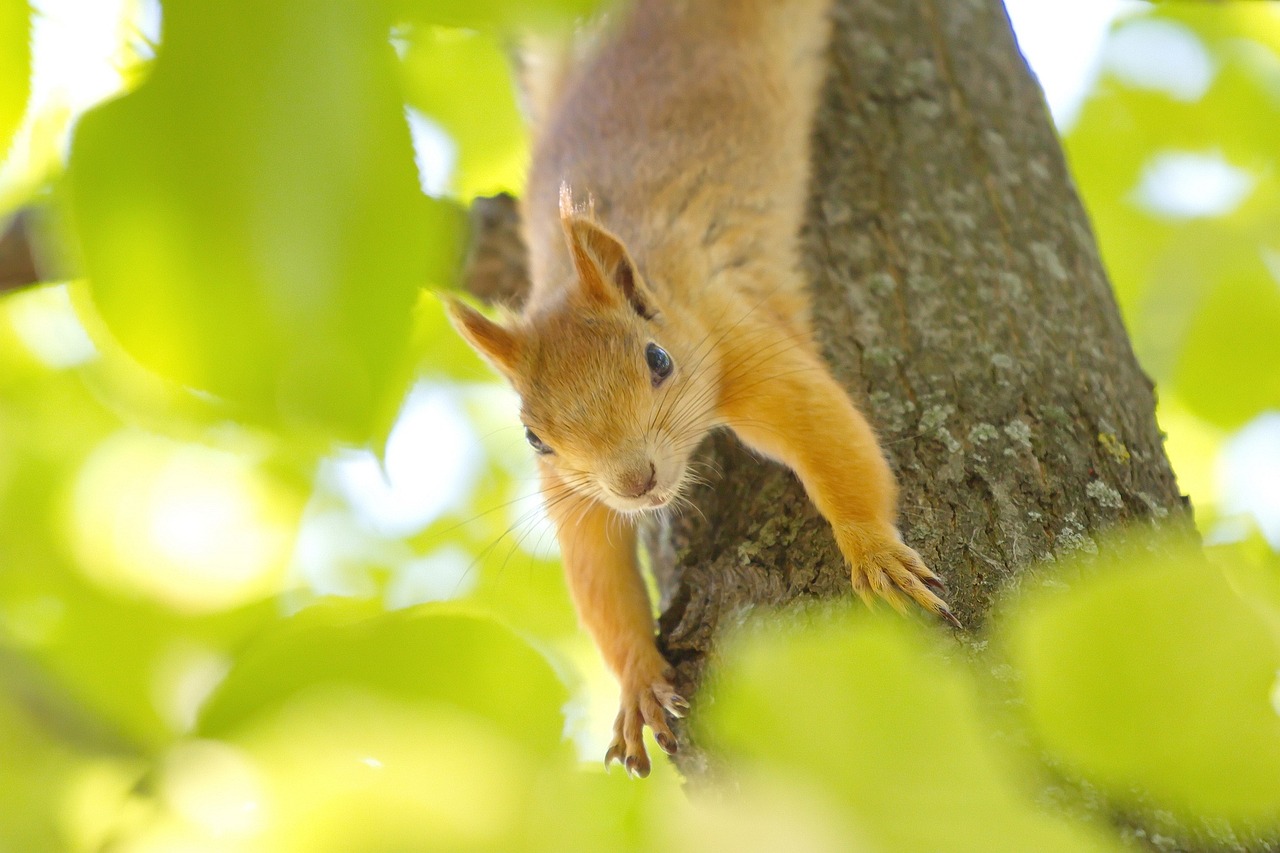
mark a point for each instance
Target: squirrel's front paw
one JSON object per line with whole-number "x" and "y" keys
{"x": 645, "y": 702}
{"x": 883, "y": 566}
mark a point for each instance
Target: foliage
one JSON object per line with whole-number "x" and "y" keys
{"x": 1175, "y": 154}
{"x": 1157, "y": 681}
{"x": 265, "y": 247}
{"x": 233, "y": 509}
{"x": 15, "y": 58}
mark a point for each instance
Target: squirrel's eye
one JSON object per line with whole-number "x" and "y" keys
{"x": 660, "y": 364}
{"x": 535, "y": 442}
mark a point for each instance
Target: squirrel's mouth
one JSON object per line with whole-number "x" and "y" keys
{"x": 655, "y": 499}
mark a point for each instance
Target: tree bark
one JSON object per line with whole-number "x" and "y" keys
{"x": 960, "y": 298}
{"x": 18, "y": 267}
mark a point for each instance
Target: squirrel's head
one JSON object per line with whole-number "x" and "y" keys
{"x": 615, "y": 395}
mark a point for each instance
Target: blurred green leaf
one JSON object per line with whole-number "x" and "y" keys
{"x": 345, "y": 768}
{"x": 421, "y": 777}
{"x": 609, "y": 812}
{"x": 36, "y": 773}
{"x": 250, "y": 218}
{"x": 1201, "y": 304}
{"x": 442, "y": 349}
{"x": 1153, "y": 680}
{"x": 868, "y": 711}
{"x": 500, "y": 15}
{"x": 426, "y": 653}
{"x": 1234, "y": 333}
{"x": 1252, "y": 568}
{"x": 15, "y": 67}
{"x": 123, "y": 657}
{"x": 462, "y": 80}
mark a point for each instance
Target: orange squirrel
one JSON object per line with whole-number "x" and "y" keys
{"x": 688, "y": 129}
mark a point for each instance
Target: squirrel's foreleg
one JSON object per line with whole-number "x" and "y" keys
{"x": 782, "y": 401}
{"x": 598, "y": 548}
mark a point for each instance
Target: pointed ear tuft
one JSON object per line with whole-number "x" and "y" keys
{"x": 497, "y": 344}
{"x": 601, "y": 261}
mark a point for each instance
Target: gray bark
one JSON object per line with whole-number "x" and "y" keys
{"x": 960, "y": 298}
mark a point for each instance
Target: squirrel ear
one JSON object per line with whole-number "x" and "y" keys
{"x": 601, "y": 261}
{"x": 497, "y": 344}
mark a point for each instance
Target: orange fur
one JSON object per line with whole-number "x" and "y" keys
{"x": 687, "y": 132}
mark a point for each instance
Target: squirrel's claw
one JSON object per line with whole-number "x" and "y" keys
{"x": 646, "y": 705}
{"x": 935, "y": 583}
{"x": 615, "y": 753}
{"x": 667, "y": 742}
{"x": 884, "y": 567}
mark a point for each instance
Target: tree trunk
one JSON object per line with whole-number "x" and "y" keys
{"x": 960, "y": 298}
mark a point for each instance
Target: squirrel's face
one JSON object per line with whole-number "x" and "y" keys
{"x": 614, "y": 398}
{"x": 615, "y": 404}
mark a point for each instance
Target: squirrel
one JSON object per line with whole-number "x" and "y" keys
{"x": 671, "y": 303}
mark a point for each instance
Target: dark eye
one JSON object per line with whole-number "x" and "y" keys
{"x": 535, "y": 442}
{"x": 660, "y": 364}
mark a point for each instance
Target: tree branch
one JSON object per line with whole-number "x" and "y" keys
{"x": 18, "y": 267}
{"x": 495, "y": 268}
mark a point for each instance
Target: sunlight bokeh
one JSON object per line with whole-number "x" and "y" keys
{"x": 46, "y": 323}
{"x": 193, "y": 527}
{"x": 83, "y": 52}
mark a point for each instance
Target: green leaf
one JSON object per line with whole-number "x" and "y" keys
{"x": 1153, "y": 680}
{"x": 1196, "y": 292}
{"x": 38, "y": 773}
{"x": 121, "y": 656}
{"x": 867, "y": 711}
{"x": 1235, "y": 332}
{"x": 501, "y": 15}
{"x": 15, "y": 67}
{"x": 250, "y": 219}
{"x": 433, "y": 654}
{"x": 343, "y": 768}
{"x": 442, "y": 348}
{"x": 462, "y": 81}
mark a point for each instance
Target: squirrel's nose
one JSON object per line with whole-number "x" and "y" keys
{"x": 638, "y": 483}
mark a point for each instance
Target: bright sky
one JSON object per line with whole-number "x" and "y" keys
{"x": 1062, "y": 43}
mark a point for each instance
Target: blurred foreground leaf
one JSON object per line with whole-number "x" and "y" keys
{"x": 501, "y": 15}
{"x": 126, "y": 652}
{"x": 462, "y": 80}
{"x": 1236, "y": 329}
{"x": 1155, "y": 681}
{"x": 250, "y": 219}
{"x": 1184, "y": 189}
{"x": 866, "y": 712}
{"x": 15, "y": 67}
{"x": 36, "y": 771}
{"x": 346, "y": 769}
{"x": 426, "y": 653}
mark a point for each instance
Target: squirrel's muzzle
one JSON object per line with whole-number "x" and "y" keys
{"x": 637, "y": 483}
